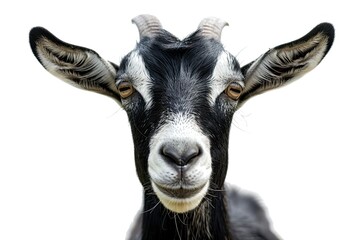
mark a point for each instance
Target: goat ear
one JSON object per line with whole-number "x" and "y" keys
{"x": 286, "y": 63}
{"x": 79, "y": 66}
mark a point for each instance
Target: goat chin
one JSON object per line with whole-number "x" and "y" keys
{"x": 181, "y": 205}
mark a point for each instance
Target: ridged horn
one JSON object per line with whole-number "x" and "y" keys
{"x": 212, "y": 27}
{"x": 148, "y": 25}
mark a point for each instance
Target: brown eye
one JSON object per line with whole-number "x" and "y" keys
{"x": 126, "y": 89}
{"x": 233, "y": 91}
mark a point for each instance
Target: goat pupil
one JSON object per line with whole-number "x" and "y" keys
{"x": 235, "y": 90}
{"x": 124, "y": 89}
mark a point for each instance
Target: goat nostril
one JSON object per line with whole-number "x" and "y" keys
{"x": 179, "y": 156}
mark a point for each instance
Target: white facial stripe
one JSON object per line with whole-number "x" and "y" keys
{"x": 223, "y": 75}
{"x": 139, "y": 76}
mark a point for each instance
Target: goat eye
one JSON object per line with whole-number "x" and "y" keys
{"x": 233, "y": 91}
{"x": 126, "y": 89}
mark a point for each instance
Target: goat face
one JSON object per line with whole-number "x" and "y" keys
{"x": 180, "y": 97}
{"x": 180, "y": 114}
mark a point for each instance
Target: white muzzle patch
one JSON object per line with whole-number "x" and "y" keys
{"x": 180, "y": 188}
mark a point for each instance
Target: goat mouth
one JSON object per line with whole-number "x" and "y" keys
{"x": 182, "y": 198}
{"x": 180, "y": 193}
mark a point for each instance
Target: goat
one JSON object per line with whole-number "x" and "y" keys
{"x": 180, "y": 97}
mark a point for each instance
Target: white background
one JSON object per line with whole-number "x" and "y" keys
{"x": 66, "y": 155}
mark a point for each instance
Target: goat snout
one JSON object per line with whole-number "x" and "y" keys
{"x": 179, "y": 163}
{"x": 181, "y": 154}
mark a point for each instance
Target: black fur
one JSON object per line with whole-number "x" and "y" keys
{"x": 180, "y": 74}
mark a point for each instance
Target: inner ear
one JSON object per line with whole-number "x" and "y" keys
{"x": 287, "y": 62}
{"x": 318, "y": 39}
{"x": 79, "y": 66}
{"x": 48, "y": 49}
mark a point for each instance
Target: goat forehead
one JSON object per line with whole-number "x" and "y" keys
{"x": 182, "y": 72}
{"x": 179, "y": 60}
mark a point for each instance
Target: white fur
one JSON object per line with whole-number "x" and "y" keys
{"x": 223, "y": 75}
{"x": 180, "y": 129}
{"x": 139, "y": 76}
{"x": 180, "y": 205}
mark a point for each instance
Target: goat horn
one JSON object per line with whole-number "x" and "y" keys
{"x": 212, "y": 27}
{"x": 148, "y": 25}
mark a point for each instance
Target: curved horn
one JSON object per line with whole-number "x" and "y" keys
{"x": 148, "y": 25}
{"x": 211, "y": 27}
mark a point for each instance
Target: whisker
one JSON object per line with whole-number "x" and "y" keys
{"x": 176, "y": 226}
{"x": 151, "y": 209}
{"x": 217, "y": 190}
{"x": 182, "y": 221}
{"x": 209, "y": 202}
